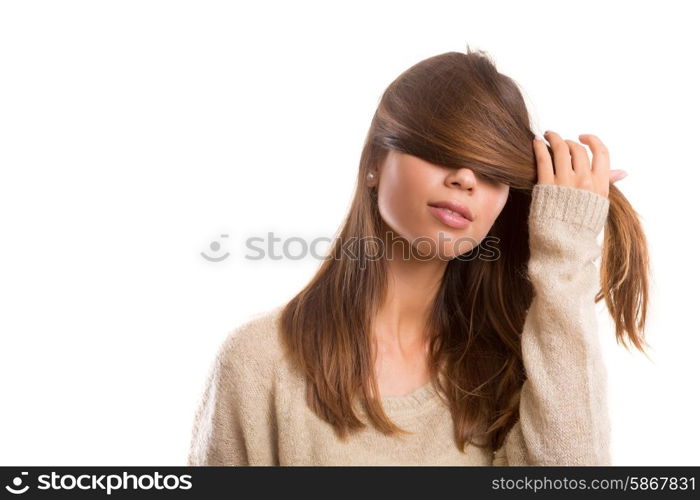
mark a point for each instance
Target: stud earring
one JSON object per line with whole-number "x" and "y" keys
{"x": 370, "y": 176}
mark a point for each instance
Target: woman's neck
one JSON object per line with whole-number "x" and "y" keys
{"x": 401, "y": 319}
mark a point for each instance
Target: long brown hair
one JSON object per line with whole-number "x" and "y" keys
{"x": 457, "y": 110}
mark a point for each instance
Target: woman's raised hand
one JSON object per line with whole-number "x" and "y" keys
{"x": 572, "y": 167}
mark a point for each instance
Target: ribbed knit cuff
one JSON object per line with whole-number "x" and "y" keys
{"x": 580, "y": 207}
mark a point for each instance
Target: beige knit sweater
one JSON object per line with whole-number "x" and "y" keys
{"x": 253, "y": 410}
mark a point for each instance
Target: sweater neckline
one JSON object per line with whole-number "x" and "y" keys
{"x": 411, "y": 401}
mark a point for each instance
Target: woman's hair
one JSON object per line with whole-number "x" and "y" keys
{"x": 455, "y": 110}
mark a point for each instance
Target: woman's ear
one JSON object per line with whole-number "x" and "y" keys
{"x": 372, "y": 178}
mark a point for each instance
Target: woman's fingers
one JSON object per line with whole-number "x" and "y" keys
{"x": 583, "y": 177}
{"x": 579, "y": 157}
{"x": 601, "y": 161}
{"x": 563, "y": 169}
{"x": 571, "y": 165}
{"x": 616, "y": 175}
{"x": 545, "y": 170}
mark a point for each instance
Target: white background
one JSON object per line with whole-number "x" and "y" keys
{"x": 134, "y": 133}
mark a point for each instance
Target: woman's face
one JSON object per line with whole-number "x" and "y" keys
{"x": 409, "y": 188}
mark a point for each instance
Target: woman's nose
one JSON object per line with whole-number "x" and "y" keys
{"x": 463, "y": 178}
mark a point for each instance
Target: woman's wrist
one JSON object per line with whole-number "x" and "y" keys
{"x": 579, "y": 207}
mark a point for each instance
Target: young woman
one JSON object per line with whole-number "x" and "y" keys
{"x": 453, "y": 321}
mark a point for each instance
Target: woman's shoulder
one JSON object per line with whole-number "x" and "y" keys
{"x": 254, "y": 344}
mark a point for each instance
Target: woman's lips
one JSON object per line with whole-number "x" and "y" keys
{"x": 446, "y": 216}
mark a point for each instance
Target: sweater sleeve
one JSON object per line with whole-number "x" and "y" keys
{"x": 564, "y": 416}
{"x": 234, "y": 423}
